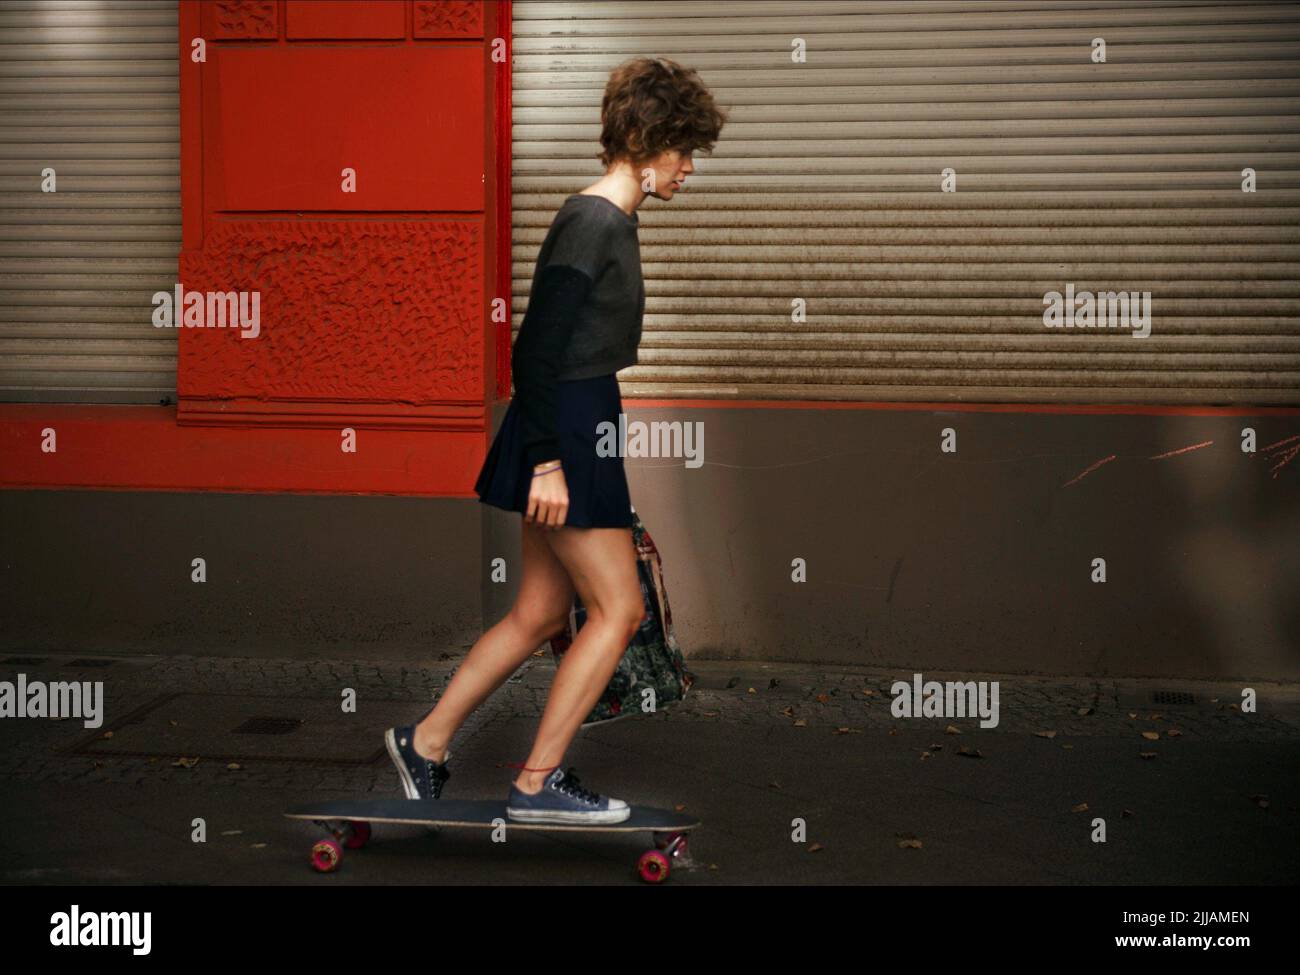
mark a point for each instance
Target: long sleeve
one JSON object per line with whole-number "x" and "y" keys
{"x": 535, "y": 361}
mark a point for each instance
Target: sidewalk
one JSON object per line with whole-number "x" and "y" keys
{"x": 752, "y": 749}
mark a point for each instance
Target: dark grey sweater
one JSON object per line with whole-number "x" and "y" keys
{"x": 584, "y": 312}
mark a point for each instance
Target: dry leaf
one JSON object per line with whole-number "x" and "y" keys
{"x": 107, "y": 734}
{"x": 822, "y": 698}
{"x": 909, "y": 844}
{"x": 952, "y": 730}
{"x": 1260, "y": 800}
{"x": 1045, "y": 734}
{"x": 1127, "y": 814}
{"x": 1081, "y": 807}
{"x": 1173, "y": 733}
{"x": 893, "y": 731}
{"x": 751, "y": 691}
{"x": 868, "y": 693}
{"x": 1151, "y": 735}
{"x": 969, "y": 752}
{"x": 924, "y": 756}
{"x": 258, "y": 846}
{"x": 814, "y": 848}
{"x": 1067, "y": 746}
{"x": 1156, "y": 717}
{"x": 1132, "y": 714}
{"x": 848, "y": 731}
{"x": 234, "y": 766}
{"x": 173, "y": 723}
{"x": 788, "y": 710}
{"x": 1147, "y": 754}
{"x": 231, "y": 832}
{"x": 1082, "y": 711}
{"x": 183, "y": 762}
{"x": 800, "y": 723}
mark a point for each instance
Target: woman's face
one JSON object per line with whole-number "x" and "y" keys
{"x": 670, "y": 169}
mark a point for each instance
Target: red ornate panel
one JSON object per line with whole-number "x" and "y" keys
{"x": 351, "y": 186}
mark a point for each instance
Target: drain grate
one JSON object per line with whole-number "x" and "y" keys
{"x": 268, "y": 726}
{"x": 1172, "y": 698}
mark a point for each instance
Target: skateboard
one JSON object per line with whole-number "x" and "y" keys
{"x": 348, "y": 821}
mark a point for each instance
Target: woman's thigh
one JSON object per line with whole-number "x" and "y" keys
{"x": 545, "y": 590}
{"x": 601, "y": 562}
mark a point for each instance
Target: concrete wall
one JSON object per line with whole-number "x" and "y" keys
{"x": 979, "y": 560}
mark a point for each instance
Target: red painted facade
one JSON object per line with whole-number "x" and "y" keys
{"x": 375, "y": 294}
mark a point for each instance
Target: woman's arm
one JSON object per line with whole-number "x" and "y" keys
{"x": 538, "y": 352}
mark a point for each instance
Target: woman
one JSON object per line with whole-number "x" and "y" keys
{"x": 583, "y": 324}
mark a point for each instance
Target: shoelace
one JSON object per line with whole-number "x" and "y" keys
{"x": 569, "y": 785}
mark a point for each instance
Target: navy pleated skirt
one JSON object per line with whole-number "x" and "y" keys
{"x": 598, "y": 494}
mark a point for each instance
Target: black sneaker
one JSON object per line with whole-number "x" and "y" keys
{"x": 562, "y": 800}
{"x": 422, "y": 778}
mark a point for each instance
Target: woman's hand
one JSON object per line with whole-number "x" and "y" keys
{"x": 548, "y": 497}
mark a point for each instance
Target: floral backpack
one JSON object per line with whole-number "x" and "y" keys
{"x": 652, "y": 660}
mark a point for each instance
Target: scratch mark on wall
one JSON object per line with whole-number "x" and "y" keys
{"x": 1105, "y": 460}
{"x": 1181, "y": 450}
{"x": 1286, "y": 455}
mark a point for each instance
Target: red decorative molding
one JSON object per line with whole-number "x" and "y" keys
{"x": 385, "y": 316}
{"x": 448, "y": 18}
{"x": 243, "y": 19}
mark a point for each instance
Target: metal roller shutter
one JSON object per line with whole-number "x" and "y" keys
{"x": 90, "y": 89}
{"x": 825, "y": 186}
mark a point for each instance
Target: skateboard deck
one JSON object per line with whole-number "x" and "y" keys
{"x": 349, "y": 821}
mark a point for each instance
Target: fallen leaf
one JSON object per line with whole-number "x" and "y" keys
{"x": 848, "y": 731}
{"x": 1067, "y": 746}
{"x": 1083, "y": 711}
{"x": 751, "y": 691}
{"x": 1156, "y": 717}
{"x": 952, "y": 730}
{"x": 788, "y": 710}
{"x": 234, "y": 766}
{"x": 1151, "y": 735}
{"x": 1045, "y": 734}
{"x": 909, "y": 844}
{"x": 258, "y": 846}
{"x": 924, "y": 756}
{"x": 185, "y": 762}
{"x": 822, "y": 698}
{"x": 107, "y": 734}
{"x": 1081, "y": 807}
{"x": 1127, "y": 814}
{"x": 1173, "y": 733}
{"x": 868, "y": 693}
{"x": 893, "y": 731}
{"x": 1132, "y": 714}
{"x": 173, "y": 723}
{"x": 801, "y": 723}
{"x": 231, "y": 832}
{"x": 969, "y": 752}
{"x": 814, "y": 848}
{"x": 1147, "y": 754}
{"x": 1260, "y": 800}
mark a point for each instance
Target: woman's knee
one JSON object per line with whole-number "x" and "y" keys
{"x": 540, "y": 622}
{"x": 626, "y": 614}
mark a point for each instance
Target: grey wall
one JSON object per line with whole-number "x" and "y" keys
{"x": 916, "y": 559}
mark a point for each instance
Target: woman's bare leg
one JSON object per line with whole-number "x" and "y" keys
{"x": 539, "y": 612}
{"x": 602, "y": 564}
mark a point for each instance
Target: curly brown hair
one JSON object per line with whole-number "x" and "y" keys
{"x": 652, "y": 105}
